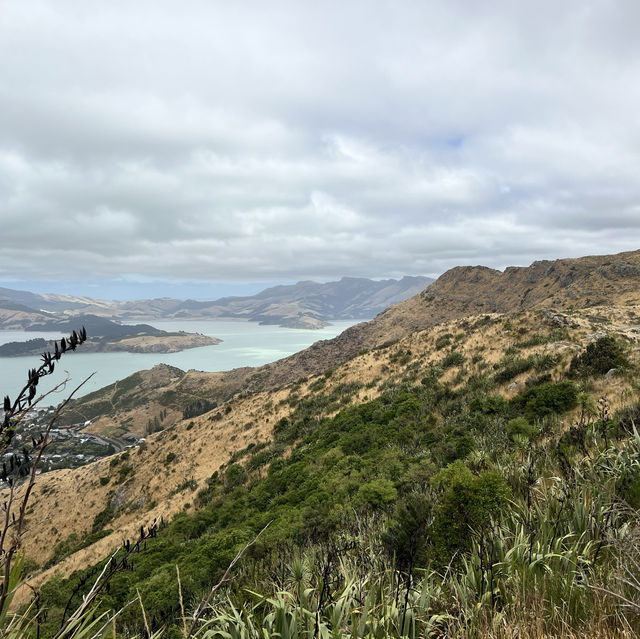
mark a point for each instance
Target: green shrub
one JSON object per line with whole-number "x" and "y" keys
{"x": 377, "y": 493}
{"x": 406, "y": 536}
{"x": 102, "y": 518}
{"x": 510, "y": 367}
{"x": 401, "y": 357}
{"x": 318, "y": 384}
{"x": 123, "y": 472}
{"x": 520, "y": 427}
{"x": 263, "y": 457}
{"x": 187, "y": 484}
{"x": 469, "y": 503}
{"x": 488, "y": 405}
{"x": 454, "y": 358}
{"x": 285, "y": 431}
{"x": 546, "y": 399}
{"x": 198, "y": 407}
{"x": 599, "y": 357}
{"x": 70, "y": 545}
{"x": 628, "y": 487}
{"x": 235, "y": 476}
{"x": 535, "y": 339}
{"x": 545, "y": 361}
{"x": 168, "y": 398}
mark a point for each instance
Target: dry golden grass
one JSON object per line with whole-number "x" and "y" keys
{"x": 65, "y": 502}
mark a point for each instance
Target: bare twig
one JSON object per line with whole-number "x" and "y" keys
{"x": 110, "y": 568}
{"x": 144, "y": 615}
{"x": 184, "y": 619}
{"x": 12, "y": 523}
{"x": 634, "y": 605}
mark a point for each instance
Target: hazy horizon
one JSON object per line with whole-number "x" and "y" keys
{"x": 117, "y": 290}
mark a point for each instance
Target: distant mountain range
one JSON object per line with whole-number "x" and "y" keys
{"x": 306, "y": 304}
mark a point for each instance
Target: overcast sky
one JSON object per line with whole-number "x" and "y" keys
{"x": 144, "y": 143}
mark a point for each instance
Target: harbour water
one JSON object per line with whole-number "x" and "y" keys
{"x": 244, "y": 344}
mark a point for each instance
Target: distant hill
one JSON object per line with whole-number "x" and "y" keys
{"x": 25, "y": 298}
{"x": 310, "y": 304}
{"x": 104, "y": 335}
{"x": 306, "y": 304}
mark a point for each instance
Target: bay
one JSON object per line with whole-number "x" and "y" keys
{"x": 244, "y": 344}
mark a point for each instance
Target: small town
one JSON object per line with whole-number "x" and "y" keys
{"x": 70, "y": 446}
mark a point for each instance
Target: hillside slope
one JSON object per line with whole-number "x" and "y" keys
{"x": 466, "y": 291}
{"x": 460, "y": 292}
{"x": 469, "y": 290}
{"x": 454, "y": 389}
{"x": 161, "y": 476}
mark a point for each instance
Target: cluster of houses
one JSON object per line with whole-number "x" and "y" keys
{"x": 70, "y": 446}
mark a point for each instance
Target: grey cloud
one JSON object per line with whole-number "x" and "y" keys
{"x": 281, "y": 140}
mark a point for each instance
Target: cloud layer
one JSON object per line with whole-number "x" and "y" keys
{"x": 286, "y": 140}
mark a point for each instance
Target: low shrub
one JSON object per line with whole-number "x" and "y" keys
{"x": 454, "y": 358}
{"x": 546, "y": 399}
{"x": 599, "y": 357}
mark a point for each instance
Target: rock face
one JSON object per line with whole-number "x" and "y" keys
{"x": 472, "y": 290}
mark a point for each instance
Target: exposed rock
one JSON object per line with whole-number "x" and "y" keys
{"x": 618, "y": 269}
{"x": 560, "y": 347}
{"x": 118, "y": 498}
{"x": 631, "y": 332}
{"x": 558, "y": 319}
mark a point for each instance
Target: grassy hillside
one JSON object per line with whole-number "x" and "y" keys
{"x": 439, "y": 471}
{"x": 471, "y": 457}
{"x": 611, "y": 280}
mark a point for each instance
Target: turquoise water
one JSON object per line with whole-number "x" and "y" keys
{"x": 244, "y": 344}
